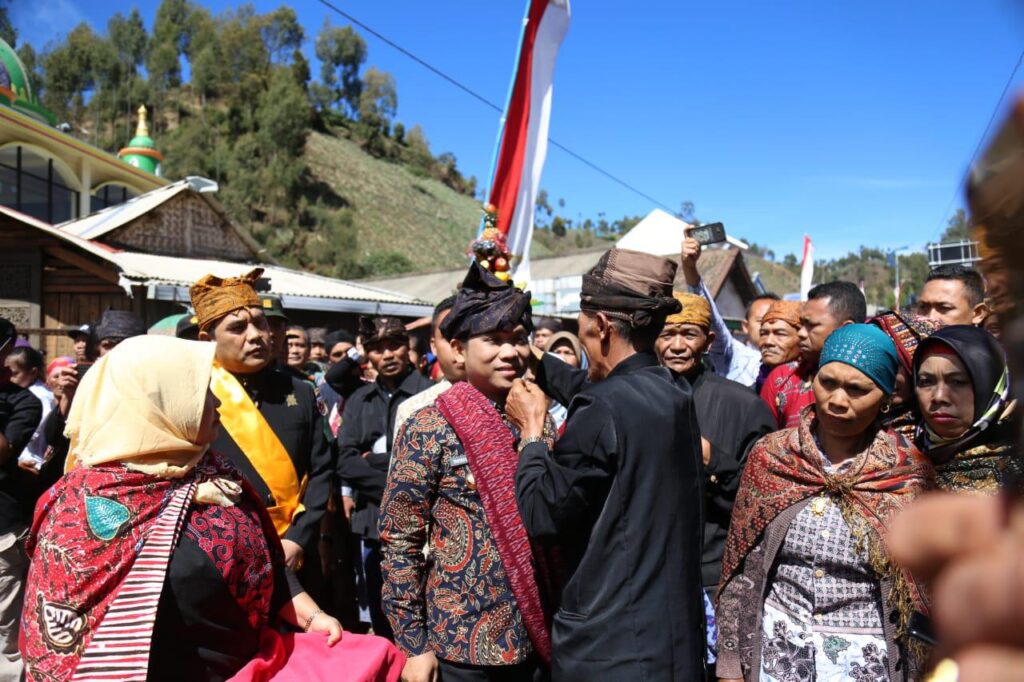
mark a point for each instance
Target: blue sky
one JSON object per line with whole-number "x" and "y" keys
{"x": 852, "y": 122}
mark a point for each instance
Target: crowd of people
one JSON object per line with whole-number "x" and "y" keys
{"x": 654, "y": 497}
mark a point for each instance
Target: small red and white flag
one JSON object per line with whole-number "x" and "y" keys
{"x": 806, "y": 268}
{"x": 523, "y": 146}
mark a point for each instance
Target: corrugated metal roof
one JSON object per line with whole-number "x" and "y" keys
{"x": 96, "y": 249}
{"x": 151, "y": 270}
{"x": 97, "y": 224}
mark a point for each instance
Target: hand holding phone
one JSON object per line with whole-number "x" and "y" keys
{"x": 712, "y": 233}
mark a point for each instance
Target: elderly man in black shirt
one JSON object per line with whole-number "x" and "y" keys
{"x": 731, "y": 418}
{"x": 20, "y": 413}
{"x": 365, "y": 440}
{"x": 621, "y": 493}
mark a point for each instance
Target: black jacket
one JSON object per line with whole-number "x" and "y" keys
{"x": 291, "y": 409}
{"x": 20, "y": 414}
{"x": 369, "y": 414}
{"x": 621, "y": 495}
{"x": 732, "y": 418}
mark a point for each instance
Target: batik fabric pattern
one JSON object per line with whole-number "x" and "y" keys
{"x": 459, "y": 604}
{"x": 490, "y": 444}
{"x": 786, "y": 467}
{"x": 87, "y": 532}
{"x": 823, "y": 612}
{"x": 788, "y": 391}
{"x": 981, "y": 469}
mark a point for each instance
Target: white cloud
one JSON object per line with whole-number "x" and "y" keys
{"x": 40, "y": 21}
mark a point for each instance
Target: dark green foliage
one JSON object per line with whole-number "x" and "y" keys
{"x": 958, "y": 227}
{"x": 245, "y": 119}
{"x": 341, "y": 52}
{"x": 7, "y": 32}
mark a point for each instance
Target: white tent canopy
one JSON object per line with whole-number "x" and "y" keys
{"x": 660, "y": 234}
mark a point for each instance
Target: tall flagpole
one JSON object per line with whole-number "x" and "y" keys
{"x": 504, "y": 111}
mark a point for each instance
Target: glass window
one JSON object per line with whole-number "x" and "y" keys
{"x": 35, "y": 197}
{"x": 65, "y": 203}
{"x": 8, "y": 185}
{"x": 9, "y": 156}
{"x": 109, "y": 195}
{"x": 32, "y": 184}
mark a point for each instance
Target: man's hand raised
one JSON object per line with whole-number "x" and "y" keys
{"x": 688, "y": 258}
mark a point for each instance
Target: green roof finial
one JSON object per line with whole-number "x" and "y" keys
{"x": 141, "y": 152}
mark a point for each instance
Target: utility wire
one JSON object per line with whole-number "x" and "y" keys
{"x": 480, "y": 98}
{"x": 984, "y": 136}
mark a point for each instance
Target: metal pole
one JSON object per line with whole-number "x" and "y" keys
{"x": 504, "y": 112}
{"x": 897, "y": 290}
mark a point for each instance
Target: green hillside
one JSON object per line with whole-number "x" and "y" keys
{"x": 776, "y": 277}
{"x": 395, "y": 212}
{"x": 402, "y": 220}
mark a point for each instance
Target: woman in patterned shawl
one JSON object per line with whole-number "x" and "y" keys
{"x": 968, "y": 426}
{"x": 153, "y": 558}
{"x": 907, "y": 330}
{"x": 808, "y": 592}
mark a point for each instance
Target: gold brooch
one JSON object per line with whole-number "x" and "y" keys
{"x": 291, "y": 400}
{"x": 819, "y": 505}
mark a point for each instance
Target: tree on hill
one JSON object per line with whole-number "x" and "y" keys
{"x": 958, "y": 227}
{"x": 7, "y": 32}
{"x": 342, "y": 52}
{"x": 168, "y": 42}
{"x": 378, "y": 102}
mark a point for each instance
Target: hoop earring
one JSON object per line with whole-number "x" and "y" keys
{"x": 886, "y": 407}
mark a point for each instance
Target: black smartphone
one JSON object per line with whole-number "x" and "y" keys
{"x": 920, "y": 628}
{"x": 712, "y": 233}
{"x": 82, "y": 368}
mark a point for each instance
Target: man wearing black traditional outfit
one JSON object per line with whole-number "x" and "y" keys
{"x": 364, "y": 443}
{"x": 271, "y": 425}
{"x": 621, "y": 494}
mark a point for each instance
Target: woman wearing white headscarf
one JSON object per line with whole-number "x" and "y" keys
{"x": 152, "y": 558}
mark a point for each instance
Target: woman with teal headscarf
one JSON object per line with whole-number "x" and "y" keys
{"x": 808, "y": 592}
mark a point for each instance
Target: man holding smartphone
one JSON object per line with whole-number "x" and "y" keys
{"x": 729, "y": 357}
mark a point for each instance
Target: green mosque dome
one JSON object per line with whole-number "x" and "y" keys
{"x": 141, "y": 152}
{"x": 16, "y": 89}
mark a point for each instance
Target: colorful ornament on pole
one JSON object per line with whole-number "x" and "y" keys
{"x": 490, "y": 249}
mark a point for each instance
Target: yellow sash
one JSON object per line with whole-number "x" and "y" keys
{"x": 254, "y": 437}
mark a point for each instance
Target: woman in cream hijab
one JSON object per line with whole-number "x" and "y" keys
{"x": 152, "y": 558}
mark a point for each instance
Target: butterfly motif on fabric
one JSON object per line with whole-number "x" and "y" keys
{"x": 62, "y": 626}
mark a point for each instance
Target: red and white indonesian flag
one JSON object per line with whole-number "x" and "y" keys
{"x": 524, "y": 139}
{"x": 806, "y": 268}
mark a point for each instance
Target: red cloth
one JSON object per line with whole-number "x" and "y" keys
{"x": 76, "y": 569}
{"x": 787, "y": 391}
{"x": 490, "y": 448}
{"x": 304, "y": 657}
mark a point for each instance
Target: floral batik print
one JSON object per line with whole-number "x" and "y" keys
{"x": 793, "y": 651}
{"x": 458, "y": 603}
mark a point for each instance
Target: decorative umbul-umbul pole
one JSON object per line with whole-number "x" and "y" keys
{"x": 523, "y": 138}
{"x": 490, "y": 249}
